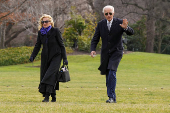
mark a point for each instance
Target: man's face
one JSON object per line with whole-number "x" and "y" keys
{"x": 108, "y": 13}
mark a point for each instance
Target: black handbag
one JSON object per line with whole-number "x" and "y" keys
{"x": 64, "y": 75}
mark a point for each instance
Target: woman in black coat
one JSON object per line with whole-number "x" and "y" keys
{"x": 53, "y": 52}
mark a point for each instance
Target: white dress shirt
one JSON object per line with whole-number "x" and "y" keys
{"x": 109, "y": 24}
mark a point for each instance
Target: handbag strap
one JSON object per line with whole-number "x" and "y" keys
{"x": 64, "y": 66}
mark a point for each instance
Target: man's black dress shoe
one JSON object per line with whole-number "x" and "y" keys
{"x": 110, "y": 100}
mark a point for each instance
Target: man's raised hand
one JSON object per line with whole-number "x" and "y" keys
{"x": 124, "y": 24}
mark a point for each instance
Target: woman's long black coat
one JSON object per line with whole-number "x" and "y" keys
{"x": 52, "y": 53}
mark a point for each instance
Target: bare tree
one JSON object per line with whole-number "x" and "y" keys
{"x": 134, "y": 9}
{"x": 25, "y": 15}
{"x": 8, "y": 8}
{"x": 162, "y": 25}
{"x": 13, "y": 10}
{"x": 151, "y": 9}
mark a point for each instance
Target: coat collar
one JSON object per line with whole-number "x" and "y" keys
{"x": 113, "y": 23}
{"x": 50, "y": 33}
{"x": 105, "y": 25}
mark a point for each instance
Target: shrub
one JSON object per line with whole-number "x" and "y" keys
{"x": 16, "y": 55}
{"x": 137, "y": 42}
{"x": 84, "y": 41}
{"x": 79, "y": 31}
{"x": 19, "y": 55}
{"x": 74, "y": 28}
{"x": 85, "y": 44}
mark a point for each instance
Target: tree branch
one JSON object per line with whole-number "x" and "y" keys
{"x": 158, "y": 18}
{"x": 136, "y": 5}
{"x": 134, "y": 13}
{"x": 13, "y": 10}
{"x": 16, "y": 34}
{"x": 165, "y": 48}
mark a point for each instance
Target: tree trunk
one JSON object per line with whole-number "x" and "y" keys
{"x": 3, "y": 28}
{"x": 16, "y": 34}
{"x": 34, "y": 37}
{"x": 159, "y": 43}
{"x": 0, "y": 35}
{"x": 150, "y": 35}
{"x": 159, "y": 36}
{"x": 150, "y": 24}
{"x": 99, "y": 4}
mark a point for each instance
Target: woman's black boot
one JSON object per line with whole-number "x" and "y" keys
{"x": 53, "y": 97}
{"x": 46, "y": 99}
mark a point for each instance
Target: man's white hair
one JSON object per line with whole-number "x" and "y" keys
{"x": 108, "y": 6}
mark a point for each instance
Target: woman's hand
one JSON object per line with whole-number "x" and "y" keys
{"x": 65, "y": 62}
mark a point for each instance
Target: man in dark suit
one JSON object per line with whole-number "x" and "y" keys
{"x": 110, "y": 30}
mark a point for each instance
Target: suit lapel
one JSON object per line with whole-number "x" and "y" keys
{"x": 105, "y": 25}
{"x": 113, "y": 24}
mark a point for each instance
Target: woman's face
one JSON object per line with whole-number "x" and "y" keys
{"x": 45, "y": 22}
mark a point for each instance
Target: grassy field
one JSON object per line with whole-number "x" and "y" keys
{"x": 143, "y": 86}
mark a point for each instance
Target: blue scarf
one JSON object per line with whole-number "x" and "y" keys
{"x": 44, "y": 31}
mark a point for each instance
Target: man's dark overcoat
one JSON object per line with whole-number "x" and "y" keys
{"x": 52, "y": 53}
{"x": 112, "y": 45}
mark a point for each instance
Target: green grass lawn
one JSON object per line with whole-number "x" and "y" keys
{"x": 143, "y": 86}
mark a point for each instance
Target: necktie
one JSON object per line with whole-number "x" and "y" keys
{"x": 108, "y": 25}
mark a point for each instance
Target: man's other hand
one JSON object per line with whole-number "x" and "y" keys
{"x": 93, "y": 53}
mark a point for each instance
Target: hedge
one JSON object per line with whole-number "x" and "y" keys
{"x": 18, "y": 55}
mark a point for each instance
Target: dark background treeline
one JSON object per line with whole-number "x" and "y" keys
{"x": 77, "y": 20}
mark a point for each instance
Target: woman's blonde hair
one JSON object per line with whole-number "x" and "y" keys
{"x": 45, "y": 16}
